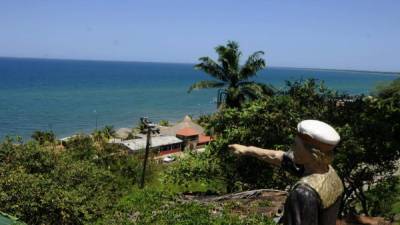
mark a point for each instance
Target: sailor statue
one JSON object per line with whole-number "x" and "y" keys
{"x": 315, "y": 198}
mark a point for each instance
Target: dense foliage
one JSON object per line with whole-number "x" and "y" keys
{"x": 366, "y": 157}
{"x": 51, "y": 184}
{"x": 388, "y": 90}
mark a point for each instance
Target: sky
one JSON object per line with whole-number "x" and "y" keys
{"x": 340, "y": 34}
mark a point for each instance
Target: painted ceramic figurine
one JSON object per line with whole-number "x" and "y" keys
{"x": 315, "y": 198}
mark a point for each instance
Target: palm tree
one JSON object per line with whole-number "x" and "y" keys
{"x": 233, "y": 77}
{"x": 103, "y": 135}
{"x": 43, "y": 136}
{"x": 108, "y": 131}
{"x": 98, "y": 136}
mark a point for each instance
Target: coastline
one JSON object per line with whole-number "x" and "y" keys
{"x": 376, "y": 72}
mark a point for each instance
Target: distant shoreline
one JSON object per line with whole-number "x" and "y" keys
{"x": 187, "y": 63}
{"x": 342, "y": 70}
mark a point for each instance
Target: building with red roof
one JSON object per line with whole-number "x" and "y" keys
{"x": 189, "y": 132}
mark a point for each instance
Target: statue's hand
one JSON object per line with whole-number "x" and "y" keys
{"x": 238, "y": 149}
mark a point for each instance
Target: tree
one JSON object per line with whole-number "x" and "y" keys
{"x": 77, "y": 185}
{"x": 98, "y": 137}
{"x": 108, "y": 131}
{"x": 81, "y": 147}
{"x": 230, "y": 75}
{"x": 164, "y": 123}
{"x": 388, "y": 90}
{"x": 141, "y": 128}
{"x": 103, "y": 135}
{"x": 43, "y": 136}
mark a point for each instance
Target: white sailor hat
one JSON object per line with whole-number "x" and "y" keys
{"x": 318, "y": 133}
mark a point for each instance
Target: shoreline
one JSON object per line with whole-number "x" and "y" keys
{"x": 89, "y": 130}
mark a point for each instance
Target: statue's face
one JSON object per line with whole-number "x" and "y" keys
{"x": 301, "y": 154}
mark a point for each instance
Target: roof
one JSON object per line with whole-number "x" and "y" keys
{"x": 157, "y": 141}
{"x": 204, "y": 139}
{"x": 187, "y": 131}
{"x": 187, "y": 122}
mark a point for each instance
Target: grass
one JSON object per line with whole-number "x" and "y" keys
{"x": 157, "y": 183}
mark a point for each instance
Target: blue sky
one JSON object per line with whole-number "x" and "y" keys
{"x": 362, "y": 34}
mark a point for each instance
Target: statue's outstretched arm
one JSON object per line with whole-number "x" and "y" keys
{"x": 273, "y": 157}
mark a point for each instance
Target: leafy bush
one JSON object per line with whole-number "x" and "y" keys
{"x": 76, "y": 185}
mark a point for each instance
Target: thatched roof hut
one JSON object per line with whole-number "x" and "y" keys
{"x": 186, "y": 124}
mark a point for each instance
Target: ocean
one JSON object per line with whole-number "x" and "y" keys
{"x": 70, "y": 96}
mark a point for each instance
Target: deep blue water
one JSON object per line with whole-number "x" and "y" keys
{"x": 67, "y": 95}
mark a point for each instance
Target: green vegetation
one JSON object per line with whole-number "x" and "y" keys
{"x": 45, "y": 184}
{"x": 366, "y": 158}
{"x": 43, "y": 136}
{"x": 103, "y": 135}
{"x": 88, "y": 181}
{"x": 228, "y": 74}
{"x": 154, "y": 207}
{"x": 203, "y": 120}
{"x": 388, "y": 90}
{"x": 164, "y": 123}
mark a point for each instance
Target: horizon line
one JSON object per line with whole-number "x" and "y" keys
{"x": 192, "y": 63}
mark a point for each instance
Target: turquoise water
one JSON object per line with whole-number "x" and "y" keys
{"x": 68, "y": 95}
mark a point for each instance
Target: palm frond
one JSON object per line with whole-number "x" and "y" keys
{"x": 212, "y": 68}
{"x": 233, "y": 45}
{"x": 205, "y": 84}
{"x": 253, "y": 64}
{"x": 268, "y": 89}
{"x": 229, "y": 57}
{"x": 245, "y": 83}
{"x": 253, "y": 90}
